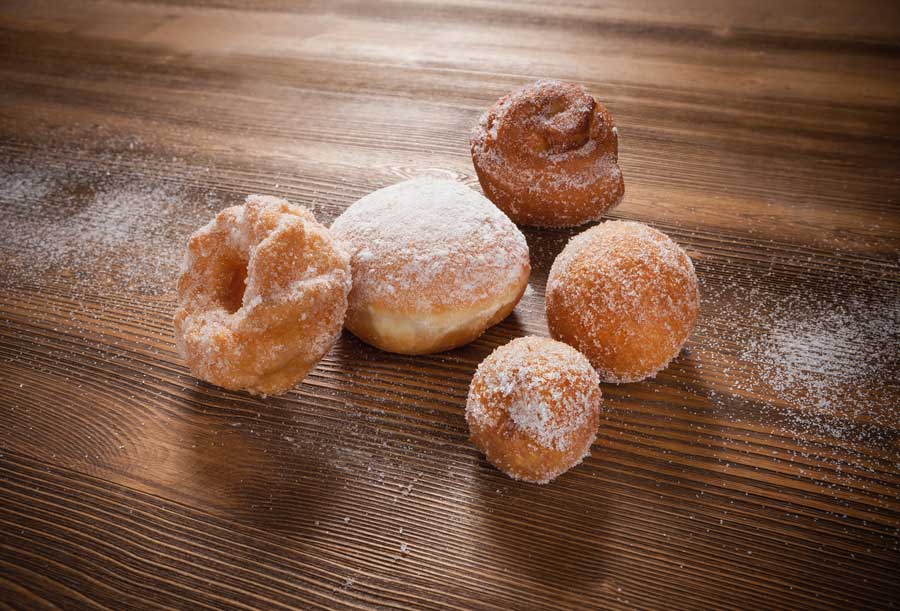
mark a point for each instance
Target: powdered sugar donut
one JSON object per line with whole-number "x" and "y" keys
{"x": 434, "y": 265}
{"x": 626, "y": 296}
{"x": 547, "y": 155}
{"x": 533, "y": 408}
{"x": 262, "y": 296}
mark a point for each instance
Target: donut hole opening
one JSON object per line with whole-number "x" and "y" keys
{"x": 233, "y": 298}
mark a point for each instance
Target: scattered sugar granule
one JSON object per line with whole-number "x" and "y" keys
{"x": 114, "y": 226}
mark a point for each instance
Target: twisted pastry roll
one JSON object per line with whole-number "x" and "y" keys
{"x": 547, "y": 155}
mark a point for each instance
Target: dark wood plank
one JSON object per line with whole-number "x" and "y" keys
{"x": 765, "y": 140}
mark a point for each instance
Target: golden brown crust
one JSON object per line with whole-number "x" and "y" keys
{"x": 533, "y": 408}
{"x": 547, "y": 155}
{"x": 262, "y": 296}
{"x": 626, "y": 296}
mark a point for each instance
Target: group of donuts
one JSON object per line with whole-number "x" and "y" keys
{"x": 428, "y": 265}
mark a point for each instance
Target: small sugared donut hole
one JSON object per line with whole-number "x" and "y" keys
{"x": 533, "y": 408}
{"x": 625, "y": 295}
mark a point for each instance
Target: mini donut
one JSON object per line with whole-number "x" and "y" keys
{"x": 533, "y": 408}
{"x": 434, "y": 265}
{"x": 261, "y": 296}
{"x": 547, "y": 155}
{"x": 626, "y": 296}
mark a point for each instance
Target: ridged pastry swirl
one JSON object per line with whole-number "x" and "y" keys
{"x": 547, "y": 155}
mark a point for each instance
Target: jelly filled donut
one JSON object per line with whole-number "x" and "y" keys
{"x": 262, "y": 296}
{"x": 533, "y": 408}
{"x": 547, "y": 155}
{"x": 626, "y": 296}
{"x": 434, "y": 265}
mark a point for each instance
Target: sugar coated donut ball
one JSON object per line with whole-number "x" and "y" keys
{"x": 533, "y": 408}
{"x": 261, "y": 297}
{"x": 547, "y": 154}
{"x": 434, "y": 265}
{"x": 626, "y": 296}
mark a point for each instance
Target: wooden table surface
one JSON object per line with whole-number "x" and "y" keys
{"x": 760, "y": 471}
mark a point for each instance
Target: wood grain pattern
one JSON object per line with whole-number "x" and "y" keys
{"x": 763, "y": 137}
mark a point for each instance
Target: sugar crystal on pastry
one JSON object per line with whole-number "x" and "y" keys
{"x": 434, "y": 265}
{"x": 261, "y": 296}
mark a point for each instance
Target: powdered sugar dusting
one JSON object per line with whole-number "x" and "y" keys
{"x": 295, "y": 280}
{"x": 549, "y": 147}
{"x": 820, "y": 364}
{"x": 629, "y": 281}
{"x": 95, "y": 224}
{"x": 547, "y": 389}
{"x": 830, "y": 352}
{"x": 828, "y": 362}
{"x": 430, "y": 242}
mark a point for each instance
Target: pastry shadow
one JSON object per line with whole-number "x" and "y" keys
{"x": 245, "y": 459}
{"x": 552, "y": 534}
{"x": 544, "y": 245}
{"x": 513, "y": 326}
